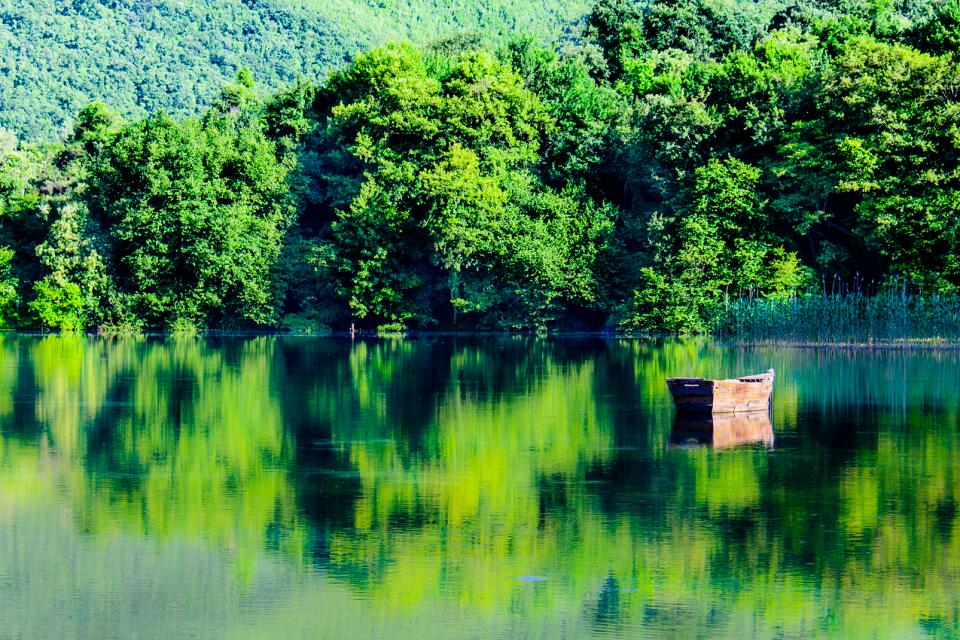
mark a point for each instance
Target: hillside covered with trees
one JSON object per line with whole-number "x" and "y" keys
{"x": 668, "y": 161}
{"x": 57, "y": 56}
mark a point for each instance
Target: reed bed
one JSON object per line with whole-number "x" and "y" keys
{"x": 892, "y": 315}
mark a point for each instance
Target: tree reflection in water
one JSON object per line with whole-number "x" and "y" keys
{"x": 395, "y": 484}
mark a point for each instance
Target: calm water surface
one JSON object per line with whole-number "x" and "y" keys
{"x": 452, "y": 488}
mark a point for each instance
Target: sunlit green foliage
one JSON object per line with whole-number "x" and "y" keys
{"x": 58, "y": 55}
{"x": 720, "y": 245}
{"x": 839, "y": 125}
{"x": 195, "y": 213}
{"x": 671, "y": 159}
{"x": 440, "y": 210}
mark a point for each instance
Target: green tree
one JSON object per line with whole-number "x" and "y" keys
{"x": 196, "y": 213}
{"x": 941, "y": 33}
{"x": 617, "y": 27}
{"x": 441, "y": 210}
{"x": 77, "y": 290}
{"x": 884, "y": 133}
{"x": 719, "y": 243}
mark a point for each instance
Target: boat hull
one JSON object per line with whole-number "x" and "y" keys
{"x": 741, "y": 395}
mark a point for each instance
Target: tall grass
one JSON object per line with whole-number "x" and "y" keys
{"x": 894, "y": 313}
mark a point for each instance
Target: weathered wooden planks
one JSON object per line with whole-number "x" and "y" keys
{"x": 746, "y": 394}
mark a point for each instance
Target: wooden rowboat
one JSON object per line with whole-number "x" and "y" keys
{"x": 697, "y": 395}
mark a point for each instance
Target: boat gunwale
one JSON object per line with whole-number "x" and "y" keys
{"x": 767, "y": 376}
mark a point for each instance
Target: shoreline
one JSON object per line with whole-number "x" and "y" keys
{"x": 918, "y": 344}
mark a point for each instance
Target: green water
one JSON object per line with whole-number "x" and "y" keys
{"x": 452, "y": 488}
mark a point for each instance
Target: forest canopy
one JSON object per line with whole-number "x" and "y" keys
{"x": 665, "y": 160}
{"x": 140, "y": 56}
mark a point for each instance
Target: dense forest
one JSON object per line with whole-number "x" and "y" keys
{"x": 646, "y": 173}
{"x": 139, "y": 56}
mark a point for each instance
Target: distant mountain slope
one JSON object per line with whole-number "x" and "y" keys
{"x": 420, "y": 19}
{"x": 137, "y": 55}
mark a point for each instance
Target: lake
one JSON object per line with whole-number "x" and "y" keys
{"x": 470, "y": 488}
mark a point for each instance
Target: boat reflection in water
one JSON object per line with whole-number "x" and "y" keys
{"x": 723, "y": 430}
